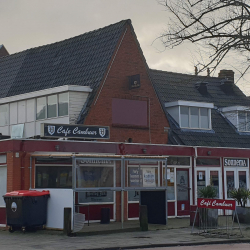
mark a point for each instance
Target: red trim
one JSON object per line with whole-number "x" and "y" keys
{"x": 2, "y": 215}
{"x": 133, "y": 210}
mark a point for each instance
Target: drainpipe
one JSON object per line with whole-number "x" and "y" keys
{"x": 22, "y": 160}
{"x": 193, "y": 172}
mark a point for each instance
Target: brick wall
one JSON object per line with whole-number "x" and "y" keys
{"x": 18, "y": 165}
{"x": 129, "y": 61}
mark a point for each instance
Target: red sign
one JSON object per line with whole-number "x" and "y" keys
{"x": 216, "y": 203}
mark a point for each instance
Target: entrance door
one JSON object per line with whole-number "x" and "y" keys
{"x": 183, "y": 196}
{"x": 209, "y": 176}
{"x": 235, "y": 178}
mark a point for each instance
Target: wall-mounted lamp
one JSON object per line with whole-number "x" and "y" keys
{"x": 57, "y": 147}
{"x": 209, "y": 152}
{"x": 144, "y": 150}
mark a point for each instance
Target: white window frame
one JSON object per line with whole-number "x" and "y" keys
{"x": 46, "y": 106}
{"x": 199, "y": 118}
{"x": 238, "y": 121}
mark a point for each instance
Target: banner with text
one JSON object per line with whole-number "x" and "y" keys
{"x": 216, "y": 203}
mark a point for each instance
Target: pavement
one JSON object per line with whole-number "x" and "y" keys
{"x": 176, "y": 233}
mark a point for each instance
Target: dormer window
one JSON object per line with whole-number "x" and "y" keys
{"x": 244, "y": 120}
{"x": 239, "y": 116}
{"x": 191, "y": 115}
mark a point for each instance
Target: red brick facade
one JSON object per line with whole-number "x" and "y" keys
{"x": 128, "y": 61}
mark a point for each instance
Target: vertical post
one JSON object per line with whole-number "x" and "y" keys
{"x": 74, "y": 186}
{"x": 122, "y": 186}
{"x": 143, "y": 218}
{"x": 166, "y": 187}
{"x": 30, "y": 172}
{"x": 67, "y": 221}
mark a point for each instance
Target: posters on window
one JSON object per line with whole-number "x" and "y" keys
{"x": 149, "y": 177}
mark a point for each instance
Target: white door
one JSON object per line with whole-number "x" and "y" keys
{"x": 209, "y": 176}
{"x": 235, "y": 178}
{"x": 3, "y": 184}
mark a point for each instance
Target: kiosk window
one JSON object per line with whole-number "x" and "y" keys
{"x": 53, "y": 177}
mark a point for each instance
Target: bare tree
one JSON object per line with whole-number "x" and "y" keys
{"x": 219, "y": 27}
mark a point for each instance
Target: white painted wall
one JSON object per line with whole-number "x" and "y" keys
{"x": 3, "y": 184}
{"x": 76, "y": 102}
{"x": 174, "y": 112}
{"x": 59, "y": 199}
{"x": 232, "y": 117}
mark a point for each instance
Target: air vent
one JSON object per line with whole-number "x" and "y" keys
{"x": 227, "y": 86}
{"x": 202, "y": 88}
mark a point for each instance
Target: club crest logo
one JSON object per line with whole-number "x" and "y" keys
{"x": 51, "y": 129}
{"x": 102, "y": 132}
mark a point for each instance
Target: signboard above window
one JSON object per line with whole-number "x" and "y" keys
{"x": 74, "y": 131}
{"x": 235, "y": 162}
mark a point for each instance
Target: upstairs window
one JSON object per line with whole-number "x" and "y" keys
{"x": 52, "y": 106}
{"x": 4, "y": 115}
{"x": 191, "y": 115}
{"x": 63, "y": 104}
{"x": 41, "y": 108}
{"x": 239, "y": 116}
{"x": 243, "y": 120}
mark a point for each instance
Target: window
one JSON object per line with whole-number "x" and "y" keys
{"x": 52, "y": 106}
{"x": 41, "y": 108}
{"x": 63, "y": 104}
{"x": 194, "y": 117}
{"x": 53, "y": 177}
{"x": 4, "y": 115}
{"x": 244, "y": 121}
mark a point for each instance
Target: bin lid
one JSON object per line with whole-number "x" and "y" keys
{"x": 27, "y": 193}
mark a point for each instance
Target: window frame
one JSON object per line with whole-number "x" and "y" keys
{"x": 246, "y": 114}
{"x": 46, "y": 106}
{"x": 7, "y": 114}
{"x": 199, "y": 117}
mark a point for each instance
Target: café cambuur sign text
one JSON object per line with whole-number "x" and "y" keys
{"x": 74, "y": 131}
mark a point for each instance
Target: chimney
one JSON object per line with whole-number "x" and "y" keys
{"x": 227, "y": 74}
{"x": 195, "y": 70}
{"x": 3, "y": 51}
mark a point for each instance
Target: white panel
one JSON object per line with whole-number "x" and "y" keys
{"x": 60, "y": 120}
{"x": 232, "y": 117}
{"x": 21, "y": 114}
{"x": 174, "y": 112}
{"x": 30, "y": 108}
{"x": 59, "y": 199}
{"x": 3, "y": 159}
{"x": 76, "y": 103}
{"x": 13, "y": 113}
{"x": 4, "y": 130}
{"x": 29, "y": 130}
{"x": 3, "y": 184}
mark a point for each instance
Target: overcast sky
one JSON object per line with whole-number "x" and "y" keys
{"x": 26, "y": 24}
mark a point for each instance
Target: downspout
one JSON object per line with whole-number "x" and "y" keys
{"x": 193, "y": 172}
{"x": 23, "y": 155}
